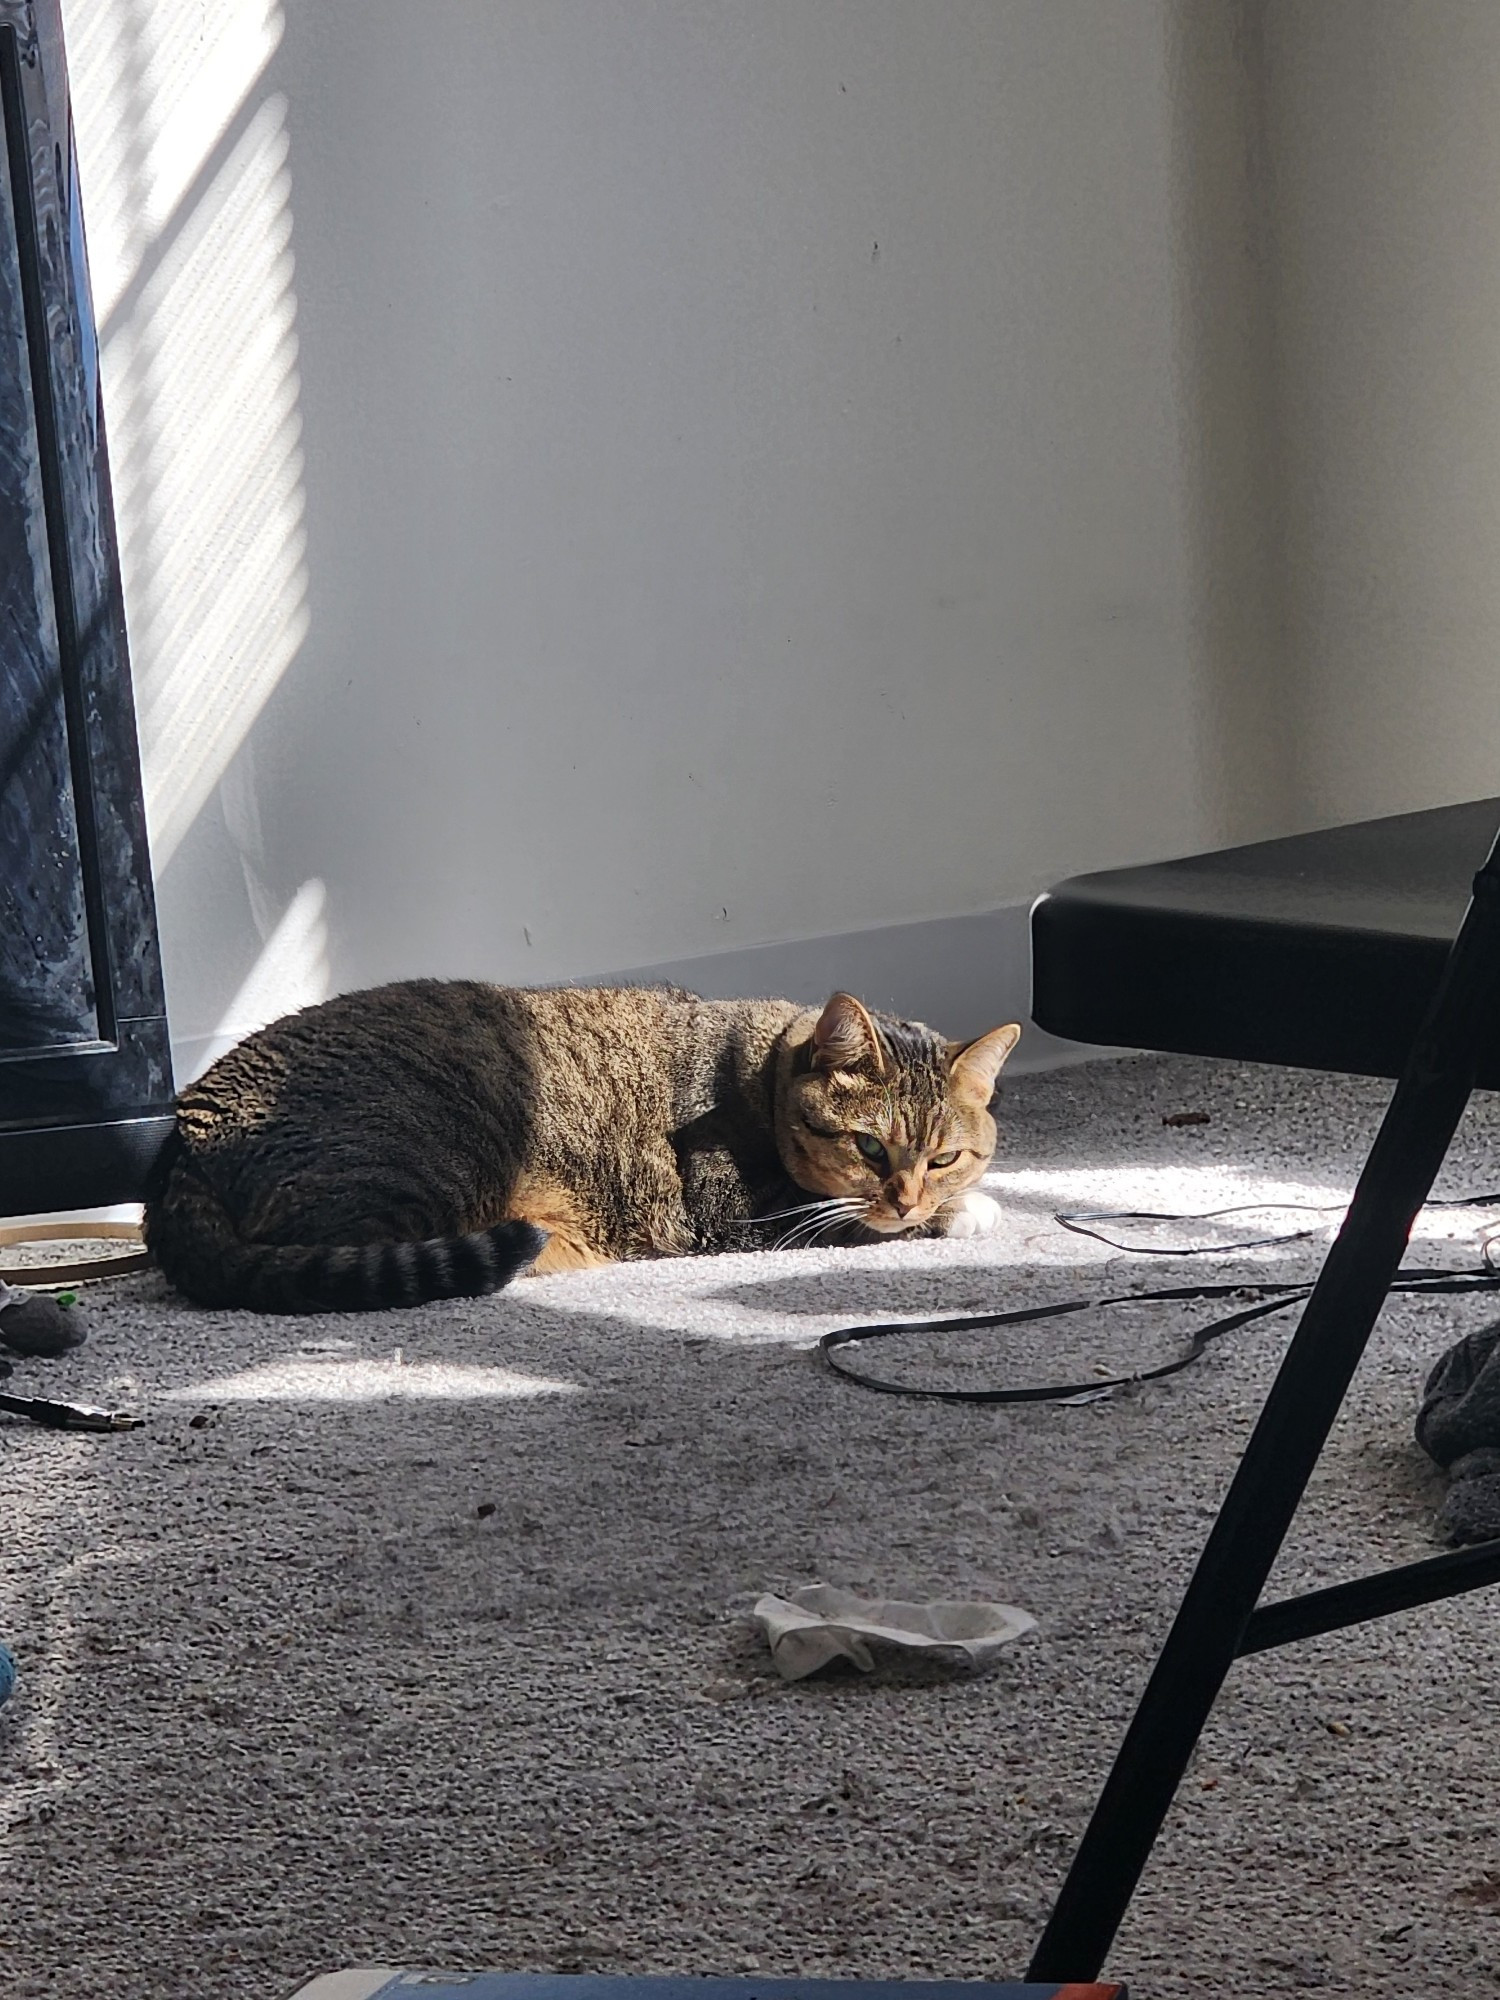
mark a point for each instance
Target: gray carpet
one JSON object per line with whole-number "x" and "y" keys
{"x": 422, "y": 1637}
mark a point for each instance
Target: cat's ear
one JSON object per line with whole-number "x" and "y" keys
{"x": 846, "y": 1037}
{"x": 975, "y": 1065}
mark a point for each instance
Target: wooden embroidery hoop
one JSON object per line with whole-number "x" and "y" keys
{"x": 41, "y": 1277}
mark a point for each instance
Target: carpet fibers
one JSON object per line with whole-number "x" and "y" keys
{"x": 423, "y": 1636}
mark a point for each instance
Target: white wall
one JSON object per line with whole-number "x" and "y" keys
{"x": 1385, "y": 153}
{"x": 602, "y": 485}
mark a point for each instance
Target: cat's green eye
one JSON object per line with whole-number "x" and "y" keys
{"x": 942, "y": 1160}
{"x": 870, "y": 1146}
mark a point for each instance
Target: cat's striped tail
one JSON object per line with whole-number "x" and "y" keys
{"x": 198, "y": 1250}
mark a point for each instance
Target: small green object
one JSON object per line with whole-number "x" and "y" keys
{"x": 66, "y": 1299}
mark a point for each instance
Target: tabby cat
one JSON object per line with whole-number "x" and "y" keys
{"x": 429, "y": 1139}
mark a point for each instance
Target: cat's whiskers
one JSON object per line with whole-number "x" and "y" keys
{"x": 803, "y": 1208}
{"x": 799, "y": 1229}
{"x": 818, "y": 1218}
{"x": 825, "y": 1228}
{"x": 812, "y": 1207}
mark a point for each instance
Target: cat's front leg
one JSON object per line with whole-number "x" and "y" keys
{"x": 728, "y": 1191}
{"x": 972, "y": 1214}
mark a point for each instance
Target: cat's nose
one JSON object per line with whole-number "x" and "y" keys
{"x": 898, "y": 1202}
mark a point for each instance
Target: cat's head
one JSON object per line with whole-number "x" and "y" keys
{"x": 886, "y": 1116}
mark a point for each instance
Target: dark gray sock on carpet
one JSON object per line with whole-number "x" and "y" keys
{"x": 1458, "y": 1425}
{"x": 1471, "y": 1507}
{"x": 37, "y": 1325}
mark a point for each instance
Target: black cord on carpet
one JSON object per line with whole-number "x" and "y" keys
{"x": 1081, "y": 1222}
{"x": 1267, "y": 1299}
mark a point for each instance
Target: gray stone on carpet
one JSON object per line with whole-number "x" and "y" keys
{"x": 422, "y": 1636}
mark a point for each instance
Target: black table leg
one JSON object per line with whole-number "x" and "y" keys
{"x": 1336, "y": 1323}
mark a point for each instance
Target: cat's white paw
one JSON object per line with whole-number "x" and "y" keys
{"x": 973, "y": 1214}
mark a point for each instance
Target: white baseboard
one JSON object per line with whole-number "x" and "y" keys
{"x": 962, "y": 975}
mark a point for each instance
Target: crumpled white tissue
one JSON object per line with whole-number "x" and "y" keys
{"x": 821, "y": 1622}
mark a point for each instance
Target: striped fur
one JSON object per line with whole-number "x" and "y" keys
{"x": 197, "y": 1246}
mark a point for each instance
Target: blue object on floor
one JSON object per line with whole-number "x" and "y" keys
{"x": 7, "y": 1673}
